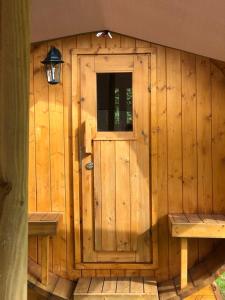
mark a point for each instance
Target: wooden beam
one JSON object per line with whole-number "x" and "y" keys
{"x": 184, "y": 262}
{"x": 14, "y": 75}
{"x": 44, "y": 259}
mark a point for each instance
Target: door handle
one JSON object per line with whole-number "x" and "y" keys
{"x": 88, "y": 136}
{"x": 90, "y": 165}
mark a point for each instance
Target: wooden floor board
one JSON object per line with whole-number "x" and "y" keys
{"x": 96, "y": 286}
{"x": 123, "y": 285}
{"x": 116, "y": 288}
{"x": 83, "y": 285}
{"x": 109, "y": 286}
{"x": 137, "y": 285}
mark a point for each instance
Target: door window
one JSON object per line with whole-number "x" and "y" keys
{"x": 114, "y": 102}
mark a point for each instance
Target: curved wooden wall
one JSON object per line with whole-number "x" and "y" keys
{"x": 191, "y": 148}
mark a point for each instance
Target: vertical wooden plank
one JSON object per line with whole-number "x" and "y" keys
{"x": 84, "y": 40}
{"x": 184, "y": 263}
{"x": 75, "y": 157}
{"x": 174, "y": 147}
{"x": 218, "y": 137}
{"x": 57, "y": 142}
{"x": 42, "y": 136}
{"x": 189, "y": 142}
{"x": 75, "y": 118}
{"x": 142, "y": 112}
{"x": 154, "y": 155}
{"x": 42, "y": 131}
{"x": 88, "y": 273}
{"x": 87, "y": 111}
{"x": 32, "y": 150}
{"x": 114, "y": 42}
{"x": 32, "y": 203}
{"x": 97, "y": 196}
{"x": 103, "y": 273}
{"x": 204, "y": 123}
{"x": 68, "y": 44}
{"x": 174, "y": 130}
{"x": 122, "y": 160}
{"x": 189, "y": 133}
{"x": 204, "y": 142}
{"x": 44, "y": 259}
{"x": 108, "y": 179}
{"x": 127, "y": 42}
{"x": 14, "y": 116}
{"x": 162, "y": 272}
{"x": 117, "y": 273}
{"x": 57, "y": 168}
{"x": 141, "y": 43}
{"x": 134, "y": 194}
{"x": 148, "y": 273}
{"x": 132, "y": 273}
{"x": 97, "y": 42}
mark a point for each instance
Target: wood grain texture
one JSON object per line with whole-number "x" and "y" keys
{"x": 67, "y": 125}
{"x": 162, "y": 207}
{"x": 14, "y": 131}
{"x": 204, "y": 139}
{"x": 174, "y": 141}
{"x": 189, "y": 132}
{"x": 111, "y": 179}
{"x": 189, "y": 158}
{"x": 184, "y": 262}
{"x": 32, "y": 203}
{"x": 218, "y": 131}
{"x": 116, "y": 288}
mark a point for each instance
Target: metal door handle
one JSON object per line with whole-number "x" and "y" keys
{"x": 88, "y": 136}
{"x": 90, "y": 165}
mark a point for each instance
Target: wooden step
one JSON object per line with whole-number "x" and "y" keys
{"x": 116, "y": 288}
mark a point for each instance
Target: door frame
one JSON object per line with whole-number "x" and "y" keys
{"x": 75, "y": 53}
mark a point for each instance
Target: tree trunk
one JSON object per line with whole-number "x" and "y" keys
{"x": 14, "y": 61}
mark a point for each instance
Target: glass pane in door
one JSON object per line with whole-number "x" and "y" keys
{"x": 114, "y": 102}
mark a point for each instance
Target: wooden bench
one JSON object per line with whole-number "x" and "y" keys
{"x": 187, "y": 226}
{"x": 43, "y": 225}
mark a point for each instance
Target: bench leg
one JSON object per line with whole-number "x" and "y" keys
{"x": 44, "y": 259}
{"x": 184, "y": 263}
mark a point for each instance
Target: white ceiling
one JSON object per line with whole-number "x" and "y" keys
{"x": 196, "y": 26}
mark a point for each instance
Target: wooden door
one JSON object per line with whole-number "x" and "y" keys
{"x": 116, "y": 208}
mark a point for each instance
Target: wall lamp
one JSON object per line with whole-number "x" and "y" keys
{"x": 53, "y": 62}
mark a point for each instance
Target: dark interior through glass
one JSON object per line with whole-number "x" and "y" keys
{"x": 114, "y": 102}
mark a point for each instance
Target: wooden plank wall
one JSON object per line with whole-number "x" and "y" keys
{"x": 191, "y": 148}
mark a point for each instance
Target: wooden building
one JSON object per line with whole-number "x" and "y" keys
{"x": 115, "y": 217}
{"x": 126, "y": 169}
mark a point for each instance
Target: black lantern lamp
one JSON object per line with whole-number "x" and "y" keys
{"x": 52, "y": 64}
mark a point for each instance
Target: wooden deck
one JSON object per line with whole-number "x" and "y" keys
{"x": 116, "y": 288}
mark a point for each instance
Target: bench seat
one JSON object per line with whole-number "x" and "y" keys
{"x": 197, "y": 225}
{"x": 186, "y": 226}
{"x": 43, "y": 225}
